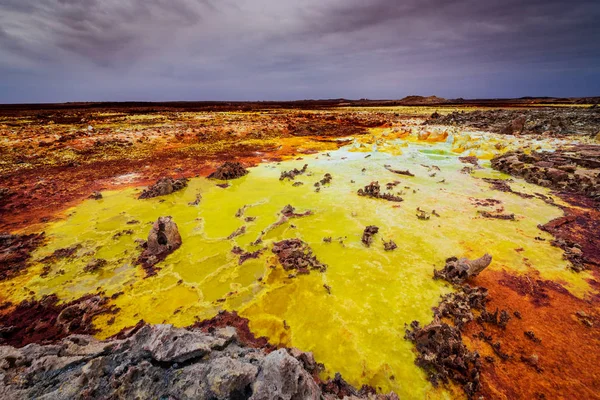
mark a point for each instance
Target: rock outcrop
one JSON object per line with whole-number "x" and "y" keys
{"x": 573, "y": 169}
{"x": 373, "y": 190}
{"x": 294, "y": 254}
{"x": 368, "y": 233}
{"x": 155, "y": 362}
{"x": 163, "y": 187}
{"x": 555, "y": 121}
{"x": 457, "y": 270}
{"x": 293, "y": 173}
{"x": 444, "y": 356}
{"x": 163, "y": 239}
{"x": 161, "y": 362}
{"x": 229, "y": 170}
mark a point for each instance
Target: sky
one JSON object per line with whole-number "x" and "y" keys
{"x": 162, "y": 50}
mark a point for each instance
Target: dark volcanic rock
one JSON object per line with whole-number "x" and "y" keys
{"x": 163, "y": 186}
{"x": 15, "y": 251}
{"x": 229, "y": 170}
{"x": 290, "y": 212}
{"x": 292, "y": 174}
{"x": 443, "y": 355}
{"x": 458, "y": 271}
{"x": 556, "y": 121}
{"x": 231, "y": 318}
{"x": 368, "y": 233}
{"x": 389, "y": 245}
{"x": 294, "y": 254}
{"x": 577, "y": 233}
{"x": 503, "y": 186}
{"x": 469, "y": 160}
{"x": 163, "y": 239}
{"x": 574, "y": 169}
{"x": 458, "y": 306}
{"x": 373, "y": 190}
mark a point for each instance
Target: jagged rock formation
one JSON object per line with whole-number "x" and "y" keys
{"x": 161, "y": 362}
{"x": 373, "y": 190}
{"x": 163, "y": 239}
{"x": 294, "y": 254}
{"x": 291, "y": 174}
{"x": 229, "y": 170}
{"x": 163, "y": 187}
{"x": 574, "y": 169}
{"x": 444, "y": 356}
{"x": 368, "y": 233}
{"x": 457, "y": 271}
{"x": 156, "y": 362}
{"x": 556, "y": 121}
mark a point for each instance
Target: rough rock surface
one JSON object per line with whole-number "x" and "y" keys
{"x": 155, "y": 362}
{"x": 229, "y": 170}
{"x": 291, "y": 174}
{"x": 163, "y": 362}
{"x": 389, "y": 245}
{"x": 458, "y": 306}
{"x": 290, "y": 212}
{"x": 557, "y": 121}
{"x": 163, "y": 239}
{"x": 368, "y": 233}
{"x": 163, "y": 187}
{"x": 294, "y": 254}
{"x": 573, "y": 169}
{"x": 15, "y": 251}
{"x": 457, "y": 271}
{"x": 443, "y": 355}
{"x": 373, "y": 190}
{"x": 577, "y": 232}
{"x": 441, "y": 351}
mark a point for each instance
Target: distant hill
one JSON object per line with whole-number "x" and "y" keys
{"x": 422, "y": 100}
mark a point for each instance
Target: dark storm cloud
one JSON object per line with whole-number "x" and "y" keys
{"x": 98, "y": 30}
{"x": 61, "y": 50}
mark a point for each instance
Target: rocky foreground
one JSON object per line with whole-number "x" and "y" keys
{"x": 163, "y": 362}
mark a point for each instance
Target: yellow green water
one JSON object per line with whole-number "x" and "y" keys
{"x": 358, "y": 329}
